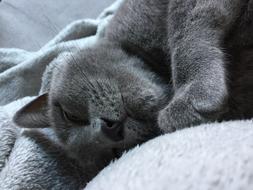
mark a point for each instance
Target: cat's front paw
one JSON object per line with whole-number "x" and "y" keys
{"x": 191, "y": 107}
{"x": 177, "y": 115}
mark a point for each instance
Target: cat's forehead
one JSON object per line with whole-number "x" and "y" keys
{"x": 79, "y": 78}
{"x": 89, "y": 62}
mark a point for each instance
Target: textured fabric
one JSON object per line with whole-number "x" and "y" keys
{"x": 208, "y": 157}
{"x": 21, "y": 71}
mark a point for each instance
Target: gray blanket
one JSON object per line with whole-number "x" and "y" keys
{"x": 18, "y": 67}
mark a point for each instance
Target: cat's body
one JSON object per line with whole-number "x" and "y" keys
{"x": 161, "y": 65}
{"x": 187, "y": 42}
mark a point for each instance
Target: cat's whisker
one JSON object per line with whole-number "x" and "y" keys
{"x": 60, "y": 70}
{"x": 87, "y": 81}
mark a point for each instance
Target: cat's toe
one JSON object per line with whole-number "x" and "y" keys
{"x": 164, "y": 122}
{"x": 192, "y": 106}
{"x": 177, "y": 115}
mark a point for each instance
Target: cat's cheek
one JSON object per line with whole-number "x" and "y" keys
{"x": 136, "y": 132}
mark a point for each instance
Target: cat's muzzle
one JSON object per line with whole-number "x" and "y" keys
{"x": 112, "y": 129}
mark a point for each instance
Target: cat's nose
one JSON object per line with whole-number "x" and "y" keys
{"x": 112, "y": 129}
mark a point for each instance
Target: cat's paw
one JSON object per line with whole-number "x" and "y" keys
{"x": 177, "y": 115}
{"x": 191, "y": 107}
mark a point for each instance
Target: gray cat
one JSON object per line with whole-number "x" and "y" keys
{"x": 162, "y": 65}
{"x": 193, "y": 46}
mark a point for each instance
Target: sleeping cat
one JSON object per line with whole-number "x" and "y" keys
{"x": 162, "y": 65}
{"x": 191, "y": 46}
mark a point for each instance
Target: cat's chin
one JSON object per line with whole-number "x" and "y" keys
{"x": 96, "y": 163}
{"x": 117, "y": 152}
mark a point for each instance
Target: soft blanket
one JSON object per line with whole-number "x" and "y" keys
{"x": 213, "y": 156}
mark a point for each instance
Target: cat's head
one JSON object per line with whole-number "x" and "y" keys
{"x": 101, "y": 100}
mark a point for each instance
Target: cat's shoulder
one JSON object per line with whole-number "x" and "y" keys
{"x": 139, "y": 22}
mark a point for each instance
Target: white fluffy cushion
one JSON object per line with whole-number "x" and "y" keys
{"x": 214, "y": 156}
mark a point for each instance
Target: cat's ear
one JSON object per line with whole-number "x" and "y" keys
{"x": 33, "y": 114}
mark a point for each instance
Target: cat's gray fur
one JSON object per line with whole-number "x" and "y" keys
{"x": 162, "y": 65}
{"x": 190, "y": 43}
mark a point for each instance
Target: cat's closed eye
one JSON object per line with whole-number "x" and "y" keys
{"x": 72, "y": 118}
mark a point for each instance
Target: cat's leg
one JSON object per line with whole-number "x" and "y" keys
{"x": 198, "y": 64}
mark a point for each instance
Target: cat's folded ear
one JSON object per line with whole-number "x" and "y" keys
{"x": 33, "y": 114}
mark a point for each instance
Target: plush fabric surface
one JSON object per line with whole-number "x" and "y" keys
{"x": 213, "y": 156}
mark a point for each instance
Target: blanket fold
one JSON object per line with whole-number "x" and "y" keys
{"x": 18, "y": 67}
